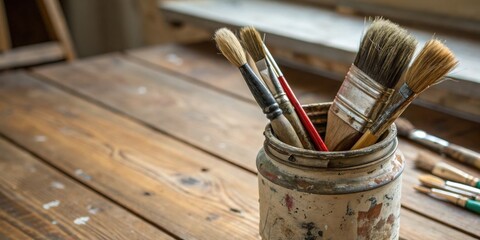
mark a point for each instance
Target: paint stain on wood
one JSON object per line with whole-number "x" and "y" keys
{"x": 81, "y": 220}
{"x": 189, "y": 181}
{"x": 51, "y": 204}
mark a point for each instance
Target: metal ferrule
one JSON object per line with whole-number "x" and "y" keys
{"x": 262, "y": 68}
{"x": 428, "y": 140}
{"x": 399, "y": 99}
{"x": 463, "y": 187}
{"x": 270, "y": 79}
{"x": 360, "y": 99}
{"x": 459, "y": 191}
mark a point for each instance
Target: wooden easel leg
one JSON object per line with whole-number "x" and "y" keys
{"x": 55, "y": 21}
{"x": 5, "y": 43}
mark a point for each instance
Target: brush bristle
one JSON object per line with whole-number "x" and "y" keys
{"x": 252, "y": 42}
{"x": 230, "y": 47}
{"x": 404, "y": 127}
{"x": 431, "y": 65}
{"x": 425, "y": 162}
{"x": 432, "y": 181}
{"x": 422, "y": 189}
{"x": 385, "y": 52}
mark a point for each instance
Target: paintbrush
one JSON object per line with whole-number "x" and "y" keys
{"x": 454, "y": 198}
{"x": 406, "y": 129}
{"x": 433, "y": 62}
{"x": 307, "y": 123}
{"x": 383, "y": 55}
{"x": 458, "y": 188}
{"x": 230, "y": 47}
{"x": 445, "y": 170}
{"x": 253, "y": 43}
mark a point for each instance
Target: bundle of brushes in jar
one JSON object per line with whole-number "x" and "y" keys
{"x": 366, "y": 104}
{"x": 285, "y": 122}
{"x": 384, "y": 53}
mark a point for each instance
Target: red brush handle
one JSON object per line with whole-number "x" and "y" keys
{"x": 317, "y": 140}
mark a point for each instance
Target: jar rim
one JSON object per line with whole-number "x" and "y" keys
{"x": 334, "y": 159}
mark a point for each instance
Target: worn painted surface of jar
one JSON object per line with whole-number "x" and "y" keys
{"x": 329, "y": 195}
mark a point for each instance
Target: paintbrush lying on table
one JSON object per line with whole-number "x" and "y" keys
{"x": 458, "y": 188}
{"x": 406, "y": 129}
{"x": 384, "y": 53}
{"x": 253, "y": 43}
{"x": 431, "y": 65}
{"x": 454, "y": 198}
{"x": 231, "y": 48}
{"x": 445, "y": 170}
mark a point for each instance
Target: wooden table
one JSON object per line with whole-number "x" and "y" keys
{"x": 160, "y": 143}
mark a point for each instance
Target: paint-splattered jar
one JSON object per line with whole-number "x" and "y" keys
{"x": 329, "y": 195}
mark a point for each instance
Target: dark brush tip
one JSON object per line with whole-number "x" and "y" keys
{"x": 385, "y": 52}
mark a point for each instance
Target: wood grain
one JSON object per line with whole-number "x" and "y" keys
{"x": 30, "y": 190}
{"x": 198, "y": 63}
{"x": 229, "y": 128}
{"x": 81, "y": 78}
{"x": 173, "y": 185}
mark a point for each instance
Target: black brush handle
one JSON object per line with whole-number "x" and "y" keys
{"x": 261, "y": 94}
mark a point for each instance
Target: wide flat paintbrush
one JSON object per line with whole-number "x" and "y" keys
{"x": 230, "y": 47}
{"x": 253, "y": 43}
{"x": 406, "y": 129}
{"x": 445, "y": 170}
{"x": 384, "y": 54}
{"x": 431, "y": 65}
{"x": 458, "y": 188}
{"x": 307, "y": 123}
{"x": 454, "y": 198}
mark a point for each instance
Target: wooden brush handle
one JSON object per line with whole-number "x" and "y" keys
{"x": 291, "y": 115}
{"x": 463, "y": 155}
{"x": 317, "y": 140}
{"x": 281, "y": 127}
{"x": 367, "y": 139}
{"x": 285, "y": 132}
{"x": 261, "y": 94}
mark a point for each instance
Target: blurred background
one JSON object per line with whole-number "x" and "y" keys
{"x": 319, "y": 36}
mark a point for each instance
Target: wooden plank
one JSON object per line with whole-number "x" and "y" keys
{"x": 37, "y": 202}
{"x": 184, "y": 190}
{"x": 91, "y": 77}
{"x": 198, "y": 63}
{"x": 414, "y": 226}
{"x": 229, "y": 129}
{"x": 31, "y": 55}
